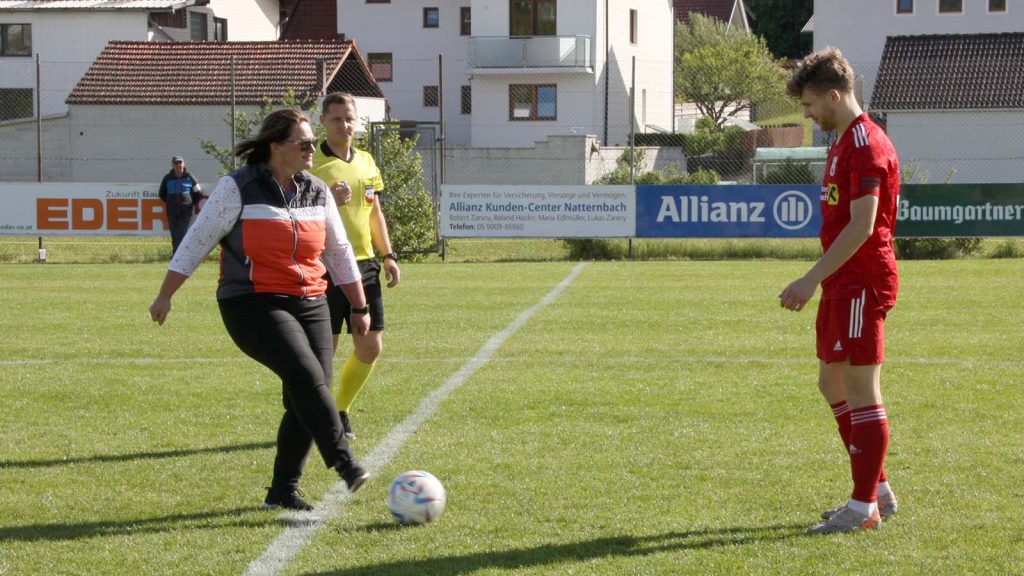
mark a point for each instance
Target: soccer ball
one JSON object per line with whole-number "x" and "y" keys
{"x": 416, "y": 497}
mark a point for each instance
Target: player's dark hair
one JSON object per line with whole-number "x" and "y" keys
{"x": 277, "y": 126}
{"x": 822, "y": 71}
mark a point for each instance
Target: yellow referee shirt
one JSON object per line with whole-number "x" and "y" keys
{"x": 364, "y": 179}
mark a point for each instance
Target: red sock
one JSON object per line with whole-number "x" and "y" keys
{"x": 841, "y": 412}
{"x": 869, "y": 442}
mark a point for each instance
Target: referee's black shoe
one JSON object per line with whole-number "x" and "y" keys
{"x": 345, "y": 425}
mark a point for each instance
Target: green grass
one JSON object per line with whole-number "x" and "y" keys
{"x": 656, "y": 418}
{"x": 93, "y": 250}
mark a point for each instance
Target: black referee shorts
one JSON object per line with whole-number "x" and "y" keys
{"x": 339, "y": 304}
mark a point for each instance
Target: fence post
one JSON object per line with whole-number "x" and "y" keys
{"x": 39, "y": 124}
{"x": 234, "y": 165}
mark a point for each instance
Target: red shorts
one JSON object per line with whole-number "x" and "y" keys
{"x": 852, "y": 328}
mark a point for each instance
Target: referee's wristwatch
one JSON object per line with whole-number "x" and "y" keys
{"x": 392, "y": 256}
{"x": 360, "y": 311}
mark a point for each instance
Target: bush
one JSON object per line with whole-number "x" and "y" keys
{"x": 408, "y": 207}
{"x": 790, "y": 172}
{"x": 936, "y": 248}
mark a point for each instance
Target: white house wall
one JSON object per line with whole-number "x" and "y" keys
{"x": 398, "y": 28}
{"x": 653, "y": 76}
{"x": 67, "y": 43}
{"x": 979, "y": 146}
{"x": 136, "y": 143}
{"x": 859, "y": 27}
{"x": 248, "y": 20}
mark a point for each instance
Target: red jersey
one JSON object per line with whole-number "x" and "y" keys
{"x": 862, "y": 162}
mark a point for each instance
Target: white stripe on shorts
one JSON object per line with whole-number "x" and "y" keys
{"x": 857, "y": 314}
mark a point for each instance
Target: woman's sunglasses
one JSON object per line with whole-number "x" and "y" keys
{"x": 305, "y": 144}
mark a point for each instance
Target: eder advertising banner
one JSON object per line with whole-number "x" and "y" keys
{"x": 81, "y": 209}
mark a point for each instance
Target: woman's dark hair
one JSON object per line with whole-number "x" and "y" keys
{"x": 277, "y": 126}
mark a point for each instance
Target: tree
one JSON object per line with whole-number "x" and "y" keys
{"x": 779, "y": 22}
{"x": 724, "y": 71}
{"x": 408, "y": 207}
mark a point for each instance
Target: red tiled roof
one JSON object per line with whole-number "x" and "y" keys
{"x": 721, "y": 9}
{"x": 198, "y": 73}
{"x": 310, "y": 20}
{"x": 951, "y": 72}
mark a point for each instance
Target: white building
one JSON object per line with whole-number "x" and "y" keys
{"x": 67, "y": 36}
{"x": 954, "y": 105}
{"x": 124, "y": 123}
{"x": 859, "y": 27}
{"x": 516, "y": 72}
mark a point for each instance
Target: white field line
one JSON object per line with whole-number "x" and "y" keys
{"x": 302, "y": 526}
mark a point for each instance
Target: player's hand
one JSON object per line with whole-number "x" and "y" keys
{"x": 360, "y": 324}
{"x": 795, "y": 296}
{"x": 159, "y": 309}
{"x": 342, "y": 192}
{"x": 391, "y": 272}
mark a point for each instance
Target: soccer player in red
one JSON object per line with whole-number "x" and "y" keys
{"x": 858, "y": 278}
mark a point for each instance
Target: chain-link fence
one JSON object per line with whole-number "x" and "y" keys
{"x": 498, "y": 119}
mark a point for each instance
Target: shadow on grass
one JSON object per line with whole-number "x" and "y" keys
{"x": 122, "y": 527}
{"x": 103, "y": 458}
{"x": 576, "y": 552}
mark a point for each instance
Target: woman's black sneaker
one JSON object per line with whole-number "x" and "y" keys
{"x": 288, "y": 498}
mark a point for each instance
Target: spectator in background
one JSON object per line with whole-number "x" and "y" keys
{"x": 181, "y": 193}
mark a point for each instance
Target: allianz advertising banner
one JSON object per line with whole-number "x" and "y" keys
{"x": 766, "y": 211}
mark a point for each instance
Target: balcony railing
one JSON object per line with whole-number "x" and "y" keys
{"x": 529, "y": 52}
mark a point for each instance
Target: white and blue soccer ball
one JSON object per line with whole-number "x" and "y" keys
{"x": 416, "y": 497}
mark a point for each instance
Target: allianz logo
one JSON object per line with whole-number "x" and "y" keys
{"x": 791, "y": 210}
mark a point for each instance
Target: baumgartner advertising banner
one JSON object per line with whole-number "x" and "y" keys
{"x": 762, "y": 211}
{"x": 81, "y": 209}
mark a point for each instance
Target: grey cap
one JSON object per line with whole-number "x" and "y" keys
{"x": 177, "y": 159}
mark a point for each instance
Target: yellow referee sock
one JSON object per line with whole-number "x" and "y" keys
{"x": 353, "y": 376}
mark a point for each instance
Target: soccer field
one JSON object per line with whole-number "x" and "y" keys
{"x": 603, "y": 418}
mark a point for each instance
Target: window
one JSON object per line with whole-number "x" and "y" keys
{"x": 16, "y": 40}
{"x": 997, "y": 5}
{"x": 632, "y": 26}
{"x": 220, "y": 29}
{"x": 532, "y": 18}
{"x": 197, "y": 26}
{"x": 431, "y": 17}
{"x": 951, "y": 6}
{"x": 174, "y": 19}
{"x": 904, "y": 6}
{"x": 532, "y": 102}
{"x": 380, "y": 65}
{"x": 16, "y": 103}
{"x": 467, "y": 99}
{"x": 430, "y": 96}
{"x": 464, "y": 21}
